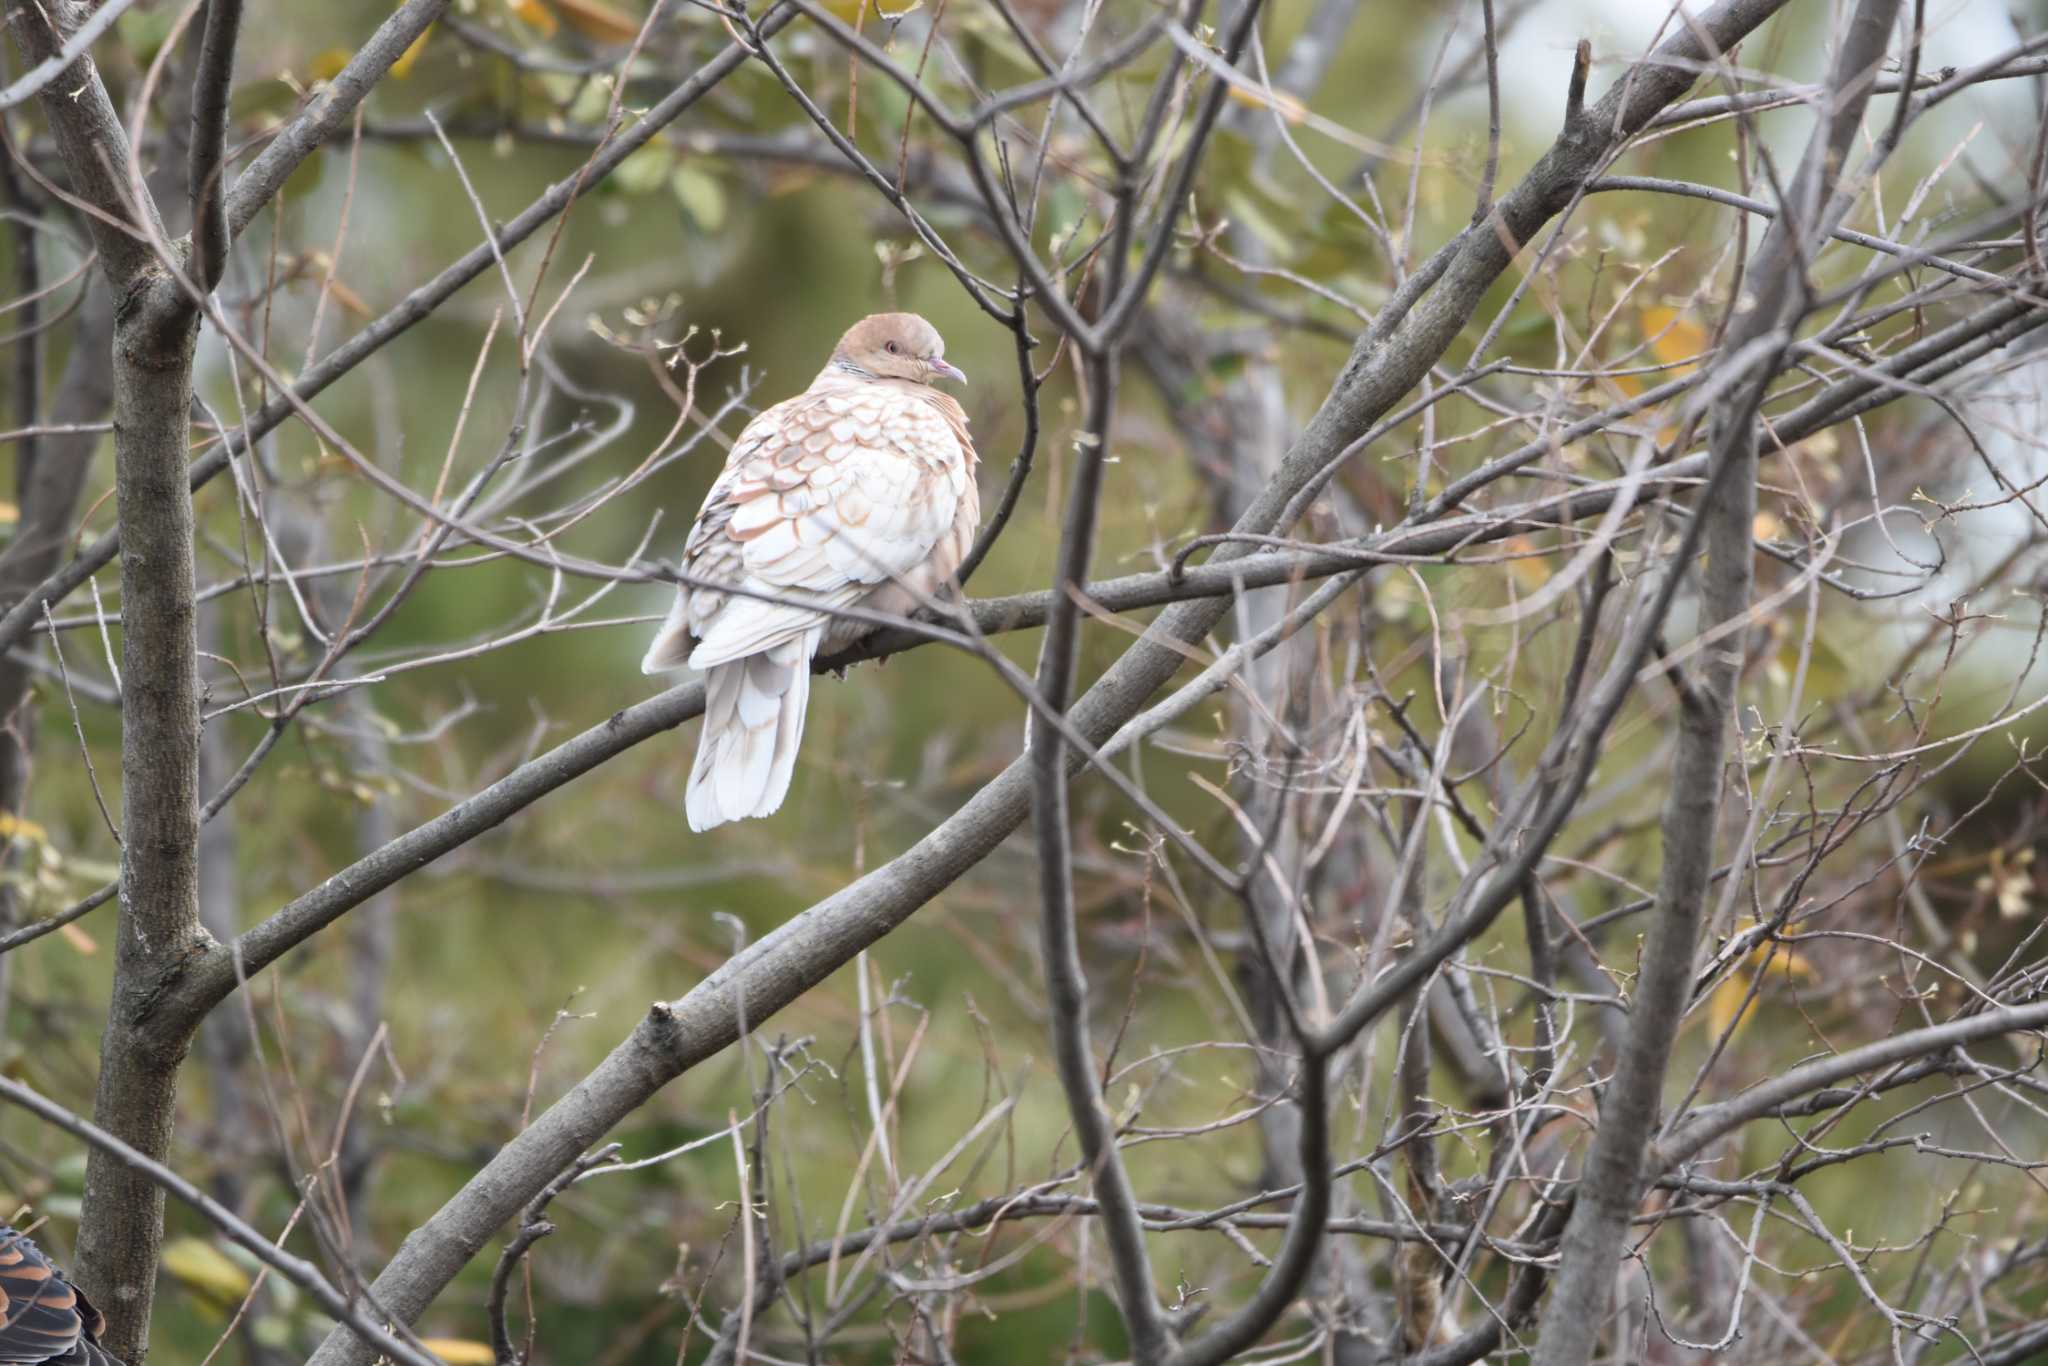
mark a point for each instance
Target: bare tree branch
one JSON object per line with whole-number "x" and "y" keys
{"x": 1610, "y": 1185}
{"x": 210, "y": 89}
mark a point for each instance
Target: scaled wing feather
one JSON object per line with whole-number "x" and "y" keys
{"x": 815, "y": 516}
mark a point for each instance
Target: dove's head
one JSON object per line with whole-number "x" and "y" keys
{"x": 895, "y": 346}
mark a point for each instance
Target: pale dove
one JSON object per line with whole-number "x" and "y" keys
{"x": 859, "y": 492}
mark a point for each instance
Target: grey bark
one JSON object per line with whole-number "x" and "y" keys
{"x": 121, "y": 1229}
{"x": 121, "y": 1223}
{"x": 1066, "y": 979}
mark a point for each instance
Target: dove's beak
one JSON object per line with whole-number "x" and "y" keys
{"x": 941, "y": 370}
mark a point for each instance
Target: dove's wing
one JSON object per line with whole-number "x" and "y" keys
{"x": 825, "y": 498}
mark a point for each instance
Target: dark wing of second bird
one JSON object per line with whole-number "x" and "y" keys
{"x": 44, "y": 1320}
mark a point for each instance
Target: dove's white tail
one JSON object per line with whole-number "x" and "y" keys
{"x": 753, "y": 721}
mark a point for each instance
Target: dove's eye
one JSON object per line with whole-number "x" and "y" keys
{"x": 891, "y": 347}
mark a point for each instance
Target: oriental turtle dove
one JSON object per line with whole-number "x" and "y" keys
{"x": 857, "y": 493}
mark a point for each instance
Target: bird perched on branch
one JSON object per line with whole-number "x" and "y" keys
{"x": 857, "y": 493}
{"x": 44, "y": 1320}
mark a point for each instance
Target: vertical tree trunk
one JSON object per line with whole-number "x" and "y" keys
{"x": 159, "y": 908}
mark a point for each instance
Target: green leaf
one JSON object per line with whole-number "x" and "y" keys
{"x": 1248, "y": 212}
{"x": 1227, "y": 366}
{"x": 69, "y": 1173}
{"x": 205, "y": 1269}
{"x": 262, "y": 99}
{"x": 1065, "y": 207}
{"x": 95, "y": 871}
{"x": 701, "y": 196}
{"x": 144, "y": 29}
{"x": 645, "y": 170}
{"x": 593, "y": 102}
{"x": 272, "y": 1330}
{"x": 888, "y": 104}
{"x": 1335, "y": 243}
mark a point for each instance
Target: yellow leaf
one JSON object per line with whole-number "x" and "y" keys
{"x": 328, "y": 64}
{"x": 206, "y": 1270}
{"x": 853, "y": 11}
{"x": 403, "y": 66}
{"x": 536, "y": 15}
{"x": 460, "y": 1351}
{"x": 79, "y": 939}
{"x": 1285, "y": 105}
{"x": 2011, "y": 882}
{"x": 1726, "y": 1000}
{"x": 1734, "y": 988}
{"x": 14, "y": 827}
{"x": 348, "y": 298}
{"x": 1529, "y": 567}
{"x": 595, "y": 19}
{"x": 1674, "y": 340}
